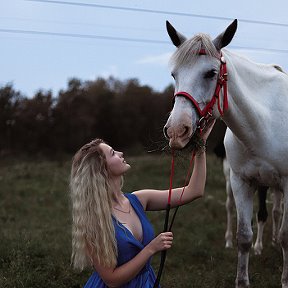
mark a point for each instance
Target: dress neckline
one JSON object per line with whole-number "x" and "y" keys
{"x": 139, "y": 217}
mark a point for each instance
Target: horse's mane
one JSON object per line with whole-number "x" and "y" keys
{"x": 191, "y": 47}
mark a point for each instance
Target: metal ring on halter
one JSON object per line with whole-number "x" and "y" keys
{"x": 203, "y": 120}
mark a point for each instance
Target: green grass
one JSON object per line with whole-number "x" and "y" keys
{"x": 35, "y": 228}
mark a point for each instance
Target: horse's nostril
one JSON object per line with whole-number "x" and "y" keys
{"x": 185, "y": 131}
{"x": 165, "y": 131}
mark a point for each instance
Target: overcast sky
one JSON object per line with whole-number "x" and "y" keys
{"x": 36, "y": 51}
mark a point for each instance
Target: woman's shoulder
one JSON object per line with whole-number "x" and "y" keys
{"x": 134, "y": 199}
{"x": 131, "y": 197}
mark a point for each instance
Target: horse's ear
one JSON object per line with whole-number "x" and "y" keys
{"x": 225, "y": 38}
{"x": 176, "y": 37}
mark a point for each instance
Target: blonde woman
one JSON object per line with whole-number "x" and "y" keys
{"x": 110, "y": 231}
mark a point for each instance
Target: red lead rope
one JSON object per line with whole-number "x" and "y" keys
{"x": 164, "y": 252}
{"x": 185, "y": 184}
{"x": 171, "y": 178}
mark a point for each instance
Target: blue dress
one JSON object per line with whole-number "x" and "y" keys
{"x": 128, "y": 248}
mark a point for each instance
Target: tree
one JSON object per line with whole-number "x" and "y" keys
{"x": 9, "y": 101}
{"x": 34, "y": 122}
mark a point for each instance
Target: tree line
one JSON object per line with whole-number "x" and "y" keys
{"x": 123, "y": 113}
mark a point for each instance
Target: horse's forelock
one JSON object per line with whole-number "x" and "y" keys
{"x": 191, "y": 47}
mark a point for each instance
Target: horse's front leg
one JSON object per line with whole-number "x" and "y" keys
{"x": 229, "y": 210}
{"x": 283, "y": 238}
{"x": 243, "y": 196}
{"x": 229, "y": 205}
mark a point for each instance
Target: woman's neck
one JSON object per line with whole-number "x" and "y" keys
{"x": 116, "y": 184}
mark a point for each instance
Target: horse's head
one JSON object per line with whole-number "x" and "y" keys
{"x": 195, "y": 67}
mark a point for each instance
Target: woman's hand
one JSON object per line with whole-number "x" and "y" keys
{"x": 162, "y": 242}
{"x": 207, "y": 130}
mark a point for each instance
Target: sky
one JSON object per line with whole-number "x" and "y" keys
{"x": 43, "y": 43}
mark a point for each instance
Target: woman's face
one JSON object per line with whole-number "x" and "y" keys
{"x": 116, "y": 163}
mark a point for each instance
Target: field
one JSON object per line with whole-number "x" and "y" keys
{"x": 35, "y": 228}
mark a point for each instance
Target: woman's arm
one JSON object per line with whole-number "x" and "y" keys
{"x": 115, "y": 277}
{"x": 157, "y": 199}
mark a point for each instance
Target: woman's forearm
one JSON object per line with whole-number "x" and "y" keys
{"x": 126, "y": 272}
{"x": 196, "y": 185}
{"x": 120, "y": 275}
{"x": 198, "y": 178}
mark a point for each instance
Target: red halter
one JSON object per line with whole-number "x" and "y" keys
{"x": 206, "y": 113}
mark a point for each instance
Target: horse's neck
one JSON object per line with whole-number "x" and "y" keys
{"x": 247, "y": 103}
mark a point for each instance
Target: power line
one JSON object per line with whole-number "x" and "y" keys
{"x": 272, "y": 50}
{"x": 124, "y": 39}
{"x": 159, "y": 12}
{"x": 87, "y": 36}
{"x": 80, "y": 23}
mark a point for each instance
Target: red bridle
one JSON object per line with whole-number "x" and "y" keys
{"x": 206, "y": 113}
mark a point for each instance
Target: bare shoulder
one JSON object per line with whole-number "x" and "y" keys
{"x": 144, "y": 196}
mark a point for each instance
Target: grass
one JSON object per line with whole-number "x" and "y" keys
{"x": 35, "y": 228}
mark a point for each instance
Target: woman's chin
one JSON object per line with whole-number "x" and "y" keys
{"x": 128, "y": 166}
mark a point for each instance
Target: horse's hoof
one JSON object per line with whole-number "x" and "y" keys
{"x": 257, "y": 250}
{"x": 242, "y": 284}
{"x": 229, "y": 244}
{"x": 275, "y": 242}
{"x": 247, "y": 286}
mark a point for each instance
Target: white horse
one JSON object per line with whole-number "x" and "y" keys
{"x": 262, "y": 213}
{"x": 256, "y": 141}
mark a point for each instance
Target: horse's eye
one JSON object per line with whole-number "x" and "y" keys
{"x": 210, "y": 74}
{"x": 173, "y": 75}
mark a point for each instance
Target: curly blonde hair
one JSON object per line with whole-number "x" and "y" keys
{"x": 93, "y": 233}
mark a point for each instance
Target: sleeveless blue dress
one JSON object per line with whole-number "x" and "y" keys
{"x": 128, "y": 248}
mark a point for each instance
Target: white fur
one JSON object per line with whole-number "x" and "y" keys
{"x": 256, "y": 141}
{"x": 229, "y": 205}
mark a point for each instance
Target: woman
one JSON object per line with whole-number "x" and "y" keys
{"x": 110, "y": 231}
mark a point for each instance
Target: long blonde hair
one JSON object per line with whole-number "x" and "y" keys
{"x": 93, "y": 233}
